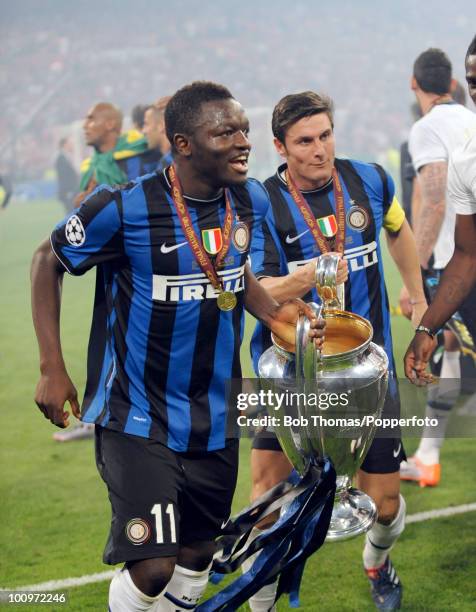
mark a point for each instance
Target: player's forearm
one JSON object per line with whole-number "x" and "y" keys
{"x": 459, "y": 275}
{"x": 416, "y": 201}
{"x": 403, "y": 251}
{"x": 427, "y": 230}
{"x": 293, "y": 285}
{"x": 46, "y": 284}
{"x": 258, "y": 301}
{"x": 455, "y": 284}
{"x": 432, "y": 181}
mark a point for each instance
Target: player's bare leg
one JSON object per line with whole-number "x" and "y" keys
{"x": 139, "y": 585}
{"x": 167, "y": 584}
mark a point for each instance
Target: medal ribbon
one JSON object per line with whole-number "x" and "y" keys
{"x": 199, "y": 252}
{"x": 309, "y": 218}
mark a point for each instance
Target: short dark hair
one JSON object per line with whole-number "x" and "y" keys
{"x": 472, "y": 48}
{"x": 432, "y": 71}
{"x": 459, "y": 93}
{"x": 183, "y": 108}
{"x": 294, "y": 107}
{"x": 137, "y": 114}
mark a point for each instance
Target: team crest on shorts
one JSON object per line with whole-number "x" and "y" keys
{"x": 74, "y": 231}
{"x": 212, "y": 240}
{"x": 241, "y": 237}
{"x": 357, "y": 218}
{"x": 138, "y": 531}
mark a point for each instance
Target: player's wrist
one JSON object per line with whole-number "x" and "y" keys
{"x": 416, "y": 301}
{"x": 426, "y": 330}
{"x": 52, "y": 366}
{"x": 305, "y": 277}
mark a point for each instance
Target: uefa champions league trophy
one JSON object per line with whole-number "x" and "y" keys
{"x": 352, "y": 369}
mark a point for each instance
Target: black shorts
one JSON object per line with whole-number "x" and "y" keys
{"x": 162, "y": 499}
{"x": 385, "y": 453}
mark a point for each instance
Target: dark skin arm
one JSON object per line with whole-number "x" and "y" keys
{"x": 54, "y": 388}
{"x": 455, "y": 284}
{"x": 281, "y": 319}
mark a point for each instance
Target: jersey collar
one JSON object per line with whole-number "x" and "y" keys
{"x": 280, "y": 175}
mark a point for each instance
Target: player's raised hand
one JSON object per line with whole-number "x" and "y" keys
{"x": 284, "y": 323}
{"x": 342, "y": 269}
{"x": 417, "y": 357}
{"x": 53, "y": 390}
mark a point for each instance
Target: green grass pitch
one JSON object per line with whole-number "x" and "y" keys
{"x": 54, "y": 513}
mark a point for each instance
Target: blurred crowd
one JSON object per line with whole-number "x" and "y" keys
{"x": 56, "y": 63}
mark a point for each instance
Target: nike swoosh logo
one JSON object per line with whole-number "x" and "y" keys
{"x": 168, "y": 249}
{"x": 290, "y": 240}
{"x": 397, "y": 452}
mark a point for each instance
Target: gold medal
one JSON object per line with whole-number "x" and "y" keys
{"x": 226, "y": 300}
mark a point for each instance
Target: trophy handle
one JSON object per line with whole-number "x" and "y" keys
{"x": 307, "y": 359}
{"x": 332, "y": 294}
{"x": 307, "y": 356}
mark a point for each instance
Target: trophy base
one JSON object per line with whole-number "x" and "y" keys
{"x": 354, "y": 513}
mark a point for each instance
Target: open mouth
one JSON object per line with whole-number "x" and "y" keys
{"x": 240, "y": 163}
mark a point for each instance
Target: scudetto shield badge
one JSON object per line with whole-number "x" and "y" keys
{"x": 328, "y": 225}
{"x": 212, "y": 240}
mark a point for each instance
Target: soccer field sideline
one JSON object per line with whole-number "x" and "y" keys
{"x": 56, "y": 585}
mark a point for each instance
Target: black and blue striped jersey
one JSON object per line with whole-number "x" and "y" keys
{"x": 285, "y": 241}
{"x": 138, "y": 165}
{"x": 160, "y": 350}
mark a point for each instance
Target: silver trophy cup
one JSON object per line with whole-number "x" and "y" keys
{"x": 347, "y": 383}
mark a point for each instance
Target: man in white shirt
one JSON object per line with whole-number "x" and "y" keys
{"x": 459, "y": 278}
{"x": 444, "y": 127}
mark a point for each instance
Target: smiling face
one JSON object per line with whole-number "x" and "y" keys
{"x": 309, "y": 150}
{"x": 471, "y": 76}
{"x": 219, "y": 147}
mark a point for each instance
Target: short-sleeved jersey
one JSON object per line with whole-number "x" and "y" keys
{"x": 433, "y": 138}
{"x": 285, "y": 241}
{"x": 462, "y": 179}
{"x": 160, "y": 349}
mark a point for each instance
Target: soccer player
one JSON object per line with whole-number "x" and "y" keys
{"x": 321, "y": 203}
{"x": 154, "y": 131}
{"x": 444, "y": 127}
{"x": 459, "y": 277}
{"x": 117, "y": 158}
{"x": 172, "y": 253}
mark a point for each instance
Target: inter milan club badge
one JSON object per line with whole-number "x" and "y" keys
{"x": 212, "y": 240}
{"x": 328, "y": 225}
{"x": 138, "y": 531}
{"x": 241, "y": 237}
{"x": 357, "y": 218}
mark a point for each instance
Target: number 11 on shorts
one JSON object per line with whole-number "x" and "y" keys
{"x": 159, "y": 528}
